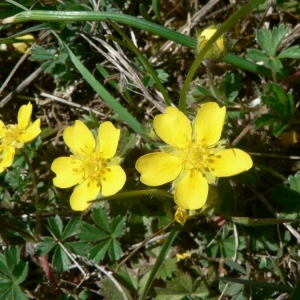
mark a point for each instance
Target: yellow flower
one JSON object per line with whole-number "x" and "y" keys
{"x": 195, "y": 157}
{"x": 217, "y": 49}
{"x": 14, "y": 136}
{"x": 180, "y": 256}
{"x": 21, "y": 46}
{"x": 181, "y": 215}
{"x": 93, "y": 167}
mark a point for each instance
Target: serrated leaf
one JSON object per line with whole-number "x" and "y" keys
{"x": 60, "y": 261}
{"x": 117, "y": 226}
{"x": 18, "y": 294}
{"x": 295, "y": 182}
{"x": 257, "y": 55}
{"x": 166, "y": 269}
{"x": 89, "y": 233}
{"x": 39, "y": 53}
{"x": 98, "y": 252}
{"x": 292, "y": 52}
{"x": 6, "y": 292}
{"x": 200, "y": 90}
{"x": 264, "y": 40}
{"x": 79, "y": 248}
{"x": 3, "y": 266}
{"x": 43, "y": 248}
{"x": 181, "y": 285}
{"x": 12, "y": 256}
{"x": 114, "y": 250}
{"x": 110, "y": 292}
{"x": 99, "y": 216}
{"x": 279, "y": 92}
{"x": 71, "y": 228}
{"x": 264, "y": 120}
{"x": 56, "y": 226}
{"x": 20, "y": 272}
{"x": 278, "y": 128}
{"x": 278, "y": 34}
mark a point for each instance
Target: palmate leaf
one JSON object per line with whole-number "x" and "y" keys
{"x": 100, "y": 218}
{"x": 13, "y": 271}
{"x": 56, "y": 226}
{"x": 89, "y": 233}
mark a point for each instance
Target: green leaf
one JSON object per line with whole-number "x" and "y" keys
{"x": 71, "y": 228}
{"x": 295, "y": 182}
{"x": 114, "y": 250}
{"x": 264, "y": 40}
{"x": 89, "y": 233}
{"x": 293, "y": 52}
{"x": 39, "y": 53}
{"x": 98, "y": 252}
{"x": 278, "y": 34}
{"x": 117, "y": 226}
{"x": 60, "y": 260}
{"x": 259, "y": 284}
{"x": 257, "y": 55}
{"x": 43, "y": 248}
{"x": 99, "y": 216}
{"x": 232, "y": 86}
{"x": 56, "y": 226}
{"x": 234, "y": 265}
{"x": 166, "y": 269}
{"x": 20, "y": 272}
{"x": 264, "y": 120}
{"x": 79, "y": 248}
{"x": 18, "y": 294}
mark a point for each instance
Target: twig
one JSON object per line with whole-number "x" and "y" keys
{"x": 71, "y": 103}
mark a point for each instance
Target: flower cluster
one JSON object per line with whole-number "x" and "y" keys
{"x": 14, "y": 136}
{"x": 195, "y": 156}
{"x": 93, "y": 167}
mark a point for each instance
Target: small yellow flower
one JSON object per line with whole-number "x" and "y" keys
{"x": 22, "y": 46}
{"x": 180, "y": 256}
{"x": 93, "y": 167}
{"x": 217, "y": 49}
{"x": 14, "y": 136}
{"x": 181, "y": 215}
{"x": 195, "y": 155}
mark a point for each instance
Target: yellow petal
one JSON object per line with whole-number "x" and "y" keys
{"x": 230, "y": 162}
{"x": 67, "y": 172}
{"x": 79, "y": 138}
{"x": 158, "y": 168}
{"x": 3, "y": 129}
{"x": 173, "y": 127}
{"x": 209, "y": 123}
{"x": 83, "y": 193}
{"x": 6, "y": 158}
{"x": 24, "y": 115}
{"x": 22, "y": 46}
{"x": 31, "y": 132}
{"x": 181, "y": 215}
{"x": 114, "y": 181}
{"x": 108, "y": 136}
{"x": 191, "y": 192}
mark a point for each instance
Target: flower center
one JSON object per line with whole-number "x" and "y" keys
{"x": 198, "y": 157}
{"x": 92, "y": 165}
{"x": 11, "y": 137}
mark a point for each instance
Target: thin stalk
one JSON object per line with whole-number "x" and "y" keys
{"x": 232, "y": 20}
{"x": 212, "y": 86}
{"x": 173, "y": 234}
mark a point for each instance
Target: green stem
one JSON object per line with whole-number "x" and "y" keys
{"x": 173, "y": 234}
{"x": 137, "y": 194}
{"x": 213, "y": 88}
{"x": 36, "y": 195}
{"x": 232, "y": 20}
